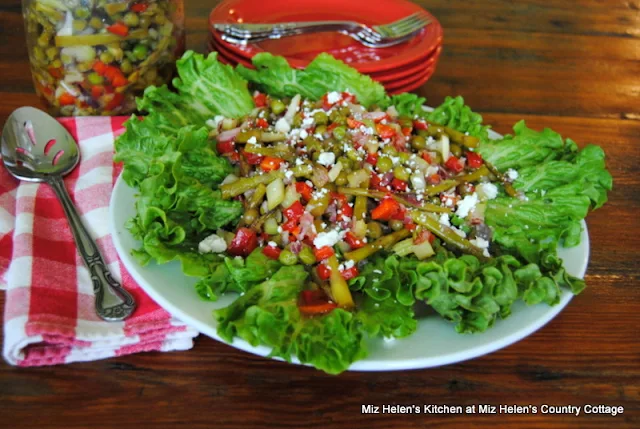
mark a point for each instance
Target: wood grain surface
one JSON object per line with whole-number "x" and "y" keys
{"x": 572, "y": 66}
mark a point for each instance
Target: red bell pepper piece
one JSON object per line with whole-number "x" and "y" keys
{"x": 399, "y": 185}
{"x": 323, "y": 253}
{"x": 97, "y": 91}
{"x": 352, "y": 123}
{"x": 324, "y": 271}
{"x": 423, "y": 236}
{"x": 315, "y": 302}
{"x": 332, "y": 126}
{"x": 434, "y": 179}
{"x": 116, "y": 101}
{"x": 252, "y": 158}
{"x": 420, "y": 125}
{"x": 270, "y": 163}
{"x": 344, "y": 209}
{"x": 474, "y": 160}
{"x": 353, "y": 241}
{"x": 387, "y": 208}
{"x": 454, "y": 164}
{"x": 118, "y": 28}
{"x": 372, "y": 158}
{"x": 119, "y": 80}
{"x": 349, "y": 98}
{"x": 305, "y": 190}
{"x": 260, "y": 99}
{"x": 139, "y": 7}
{"x": 66, "y": 99}
{"x": 99, "y": 67}
{"x": 406, "y": 131}
{"x": 272, "y": 252}
{"x": 427, "y": 157}
{"x": 350, "y": 273}
{"x": 243, "y": 243}
{"x": 55, "y": 72}
{"x": 385, "y": 131}
{"x": 228, "y": 146}
{"x": 262, "y": 123}
{"x": 294, "y": 212}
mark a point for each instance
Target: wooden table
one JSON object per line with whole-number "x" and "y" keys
{"x": 572, "y": 66}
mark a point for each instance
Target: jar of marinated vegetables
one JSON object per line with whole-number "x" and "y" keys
{"x": 93, "y": 57}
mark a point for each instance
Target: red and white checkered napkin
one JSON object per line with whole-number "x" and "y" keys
{"x": 49, "y": 313}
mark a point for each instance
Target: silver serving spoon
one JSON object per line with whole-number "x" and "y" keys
{"x": 36, "y": 148}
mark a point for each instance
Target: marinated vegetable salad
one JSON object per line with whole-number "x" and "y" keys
{"x": 92, "y": 57}
{"x": 333, "y": 210}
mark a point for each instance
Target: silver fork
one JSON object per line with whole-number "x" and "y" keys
{"x": 378, "y": 36}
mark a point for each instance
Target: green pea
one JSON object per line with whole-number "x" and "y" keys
{"x": 340, "y": 132}
{"x": 39, "y": 54}
{"x": 145, "y": 22}
{"x": 315, "y": 156}
{"x": 131, "y": 19}
{"x": 297, "y": 120}
{"x": 320, "y": 118}
{"x": 466, "y": 228}
{"x": 287, "y": 257}
{"x": 384, "y": 164}
{"x": 82, "y": 12}
{"x": 456, "y": 220}
{"x": 66, "y": 59}
{"x": 78, "y": 25}
{"x": 95, "y": 79}
{"x": 353, "y": 156}
{"x": 306, "y": 256}
{"x": 277, "y": 106}
{"x": 400, "y": 173}
{"x": 347, "y": 164}
{"x": 345, "y": 111}
{"x": 418, "y": 142}
{"x": 341, "y": 180}
{"x": 396, "y": 224}
{"x": 106, "y": 57}
{"x": 160, "y": 19}
{"x": 336, "y": 117}
{"x": 126, "y": 67}
{"x": 374, "y": 230}
{"x": 56, "y": 64}
{"x": 405, "y": 122}
{"x": 95, "y": 23}
{"x": 321, "y": 129}
{"x": 389, "y": 150}
{"x": 52, "y": 52}
{"x": 455, "y": 149}
{"x": 140, "y": 51}
{"x": 404, "y": 156}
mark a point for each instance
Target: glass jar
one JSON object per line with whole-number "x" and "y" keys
{"x": 94, "y": 57}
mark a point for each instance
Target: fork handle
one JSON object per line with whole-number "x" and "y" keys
{"x": 113, "y": 302}
{"x": 265, "y": 31}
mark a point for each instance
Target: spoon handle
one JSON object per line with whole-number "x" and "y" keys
{"x": 113, "y": 302}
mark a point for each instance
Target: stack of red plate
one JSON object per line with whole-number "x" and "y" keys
{"x": 399, "y": 68}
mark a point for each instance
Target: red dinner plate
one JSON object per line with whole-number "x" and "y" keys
{"x": 388, "y": 76}
{"x": 299, "y": 50}
{"x": 418, "y": 82}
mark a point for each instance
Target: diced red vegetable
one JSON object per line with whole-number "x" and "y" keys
{"x": 304, "y": 189}
{"x": 243, "y": 243}
{"x": 352, "y": 123}
{"x": 420, "y": 125}
{"x": 406, "y": 131}
{"x": 226, "y": 147}
{"x": 385, "y": 131}
{"x": 401, "y": 214}
{"x": 332, "y": 126}
{"x": 324, "y": 272}
{"x": 372, "y": 158}
{"x": 387, "y": 208}
{"x": 270, "y": 163}
{"x": 315, "y": 302}
{"x": 66, "y": 99}
{"x": 434, "y": 179}
{"x": 474, "y": 160}
{"x": 139, "y": 7}
{"x": 262, "y": 123}
{"x": 116, "y": 101}
{"x": 325, "y": 102}
{"x": 384, "y": 117}
{"x": 99, "y": 67}
{"x": 260, "y": 99}
{"x": 344, "y": 209}
{"x": 118, "y": 28}
{"x": 291, "y": 226}
{"x": 323, "y": 253}
{"x": 119, "y": 80}
{"x": 272, "y": 252}
{"x": 399, "y": 185}
{"x": 410, "y": 226}
{"x": 423, "y": 236}
{"x": 353, "y": 241}
{"x": 294, "y": 212}
{"x": 427, "y": 157}
{"x": 55, "y": 72}
{"x": 350, "y": 273}
{"x": 97, "y": 91}
{"x": 349, "y": 98}
{"x": 454, "y": 164}
{"x": 252, "y": 158}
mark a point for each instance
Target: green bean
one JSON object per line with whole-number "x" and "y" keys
{"x": 250, "y": 216}
{"x": 427, "y": 207}
{"x": 455, "y": 135}
{"x": 258, "y": 196}
{"x": 455, "y": 149}
{"x": 245, "y": 136}
{"x": 244, "y": 184}
{"x": 381, "y": 243}
{"x": 279, "y": 151}
{"x": 474, "y": 176}
{"x": 448, "y": 235}
{"x": 131, "y": 19}
{"x": 508, "y": 188}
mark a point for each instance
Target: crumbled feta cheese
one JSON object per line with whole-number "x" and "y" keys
{"x": 512, "y": 174}
{"x": 280, "y": 229}
{"x": 431, "y": 170}
{"x": 349, "y": 264}
{"x": 466, "y": 205}
{"x": 283, "y": 126}
{"x": 377, "y": 271}
{"x": 303, "y": 134}
{"x": 482, "y": 244}
{"x": 318, "y": 136}
{"x": 444, "y": 219}
{"x": 333, "y": 97}
{"x": 272, "y": 244}
{"x": 307, "y": 122}
{"x": 460, "y": 232}
{"x": 487, "y": 191}
{"x": 288, "y": 174}
{"x": 417, "y": 181}
{"x": 212, "y": 244}
{"x": 252, "y": 140}
{"x": 329, "y": 238}
{"x": 327, "y": 158}
{"x": 299, "y": 161}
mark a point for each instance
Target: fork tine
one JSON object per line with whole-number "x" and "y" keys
{"x": 403, "y": 26}
{"x": 410, "y": 26}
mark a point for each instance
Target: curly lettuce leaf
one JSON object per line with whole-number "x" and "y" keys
{"x": 205, "y": 88}
{"x": 276, "y": 77}
{"x": 455, "y": 114}
{"x": 268, "y": 315}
